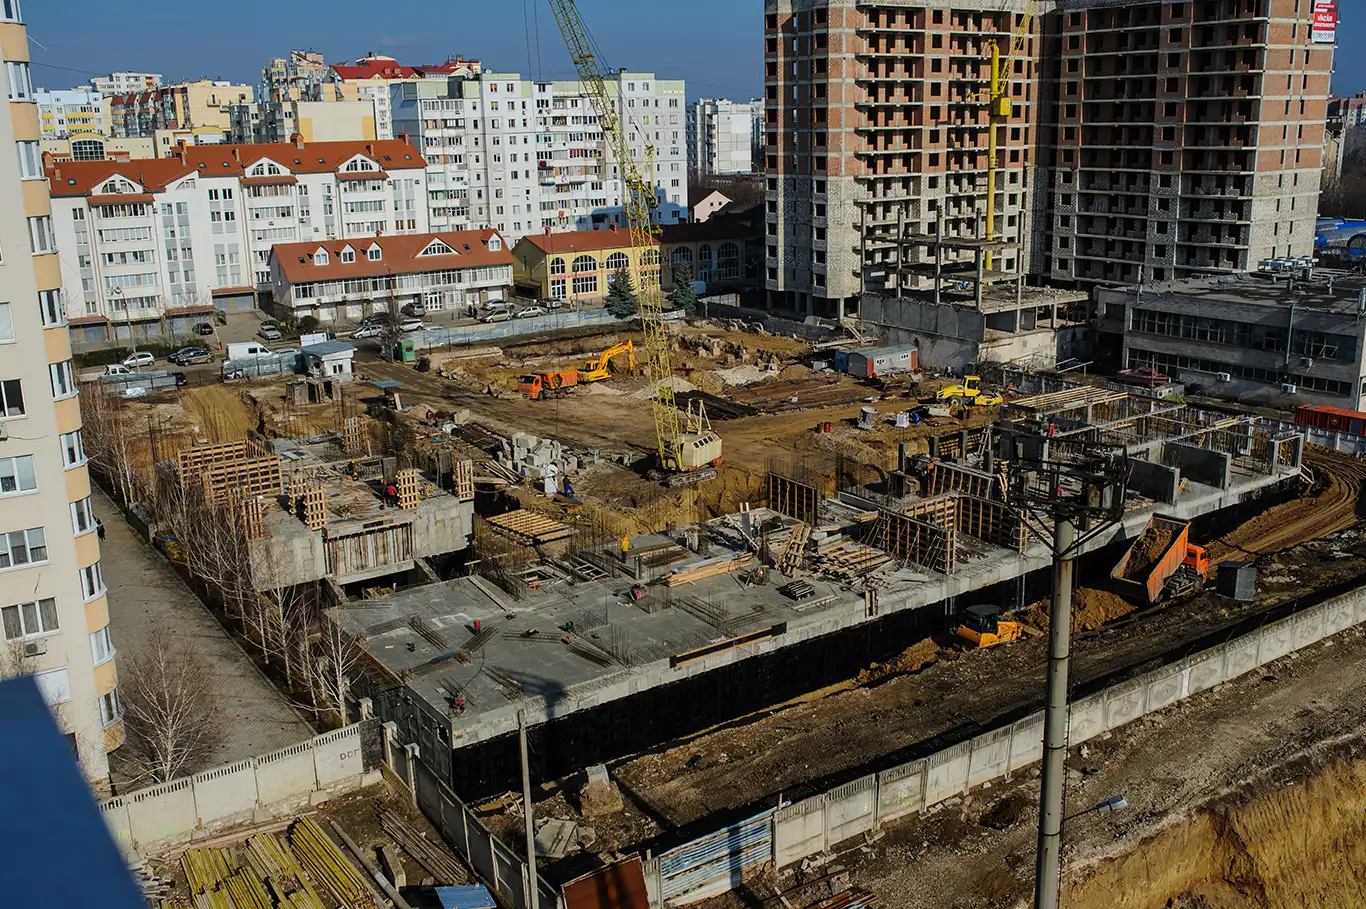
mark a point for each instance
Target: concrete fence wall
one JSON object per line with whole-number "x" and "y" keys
{"x": 493, "y": 331}
{"x": 169, "y": 814}
{"x": 820, "y": 823}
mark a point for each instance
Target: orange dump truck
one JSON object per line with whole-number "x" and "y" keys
{"x": 540, "y": 385}
{"x": 1162, "y": 563}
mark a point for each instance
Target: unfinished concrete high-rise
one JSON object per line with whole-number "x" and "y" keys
{"x": 1145, "y": 141}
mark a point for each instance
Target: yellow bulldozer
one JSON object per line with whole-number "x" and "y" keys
{"x": 982, "y": 627}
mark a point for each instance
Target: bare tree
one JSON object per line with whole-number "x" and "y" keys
{"x": 335, "y": 657}
{"x": 111, "y": 440}
{"x": 169, "y": 712}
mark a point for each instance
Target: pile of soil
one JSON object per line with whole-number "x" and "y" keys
{"x": 1148, "y": 550}
{"x": 1091, "y": 609}
{"x": 912, "y": 659}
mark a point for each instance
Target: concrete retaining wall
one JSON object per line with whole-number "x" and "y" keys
{"x": 169, "y": 814}
{"x": 493, "y": 331}
{"x": 1199, "y": 464}
{"x": 1155, "y": 481}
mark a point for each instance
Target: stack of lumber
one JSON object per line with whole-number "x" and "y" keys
{"x": 710, "y": 568}
{"x": 843, "y": 559}
{"x": 530, "y": 528}
{"x": 438, "y": 862}
{"x": 791, "y": 559}
{"x": 327, "y": 866}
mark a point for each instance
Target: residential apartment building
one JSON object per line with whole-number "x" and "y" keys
{"x": 150, "y": 245}
{"x": 371, "y": 78}
{"x": 315, "y": 121}
{"x": 122, "y": 83}
{"x": 721, "y": 135}
{"x": 54, "y": 617}
{"x": 62, "y": 113}
{"x": 96, "y": 147}
{"x": 353, "y": 278}
{"x": 202, "y": 105}
{"x": 1148, "y": 140}
{"x": 301, "y": 76}
{"x": 525, "y": 157}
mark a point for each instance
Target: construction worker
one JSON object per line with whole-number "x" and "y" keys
{"x": 391, "y": 495}
{"x": 625, "y": 548}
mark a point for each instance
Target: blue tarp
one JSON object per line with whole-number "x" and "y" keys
{"x": 471, "y": 896}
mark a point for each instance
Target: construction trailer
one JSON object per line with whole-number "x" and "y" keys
{"x": 872, "y": 362}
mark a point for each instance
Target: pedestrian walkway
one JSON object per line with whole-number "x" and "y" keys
{"x": 145, "y": 594}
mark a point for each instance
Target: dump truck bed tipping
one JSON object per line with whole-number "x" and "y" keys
{"x": 1155, "y": 556}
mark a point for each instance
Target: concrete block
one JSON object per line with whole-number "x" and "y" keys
{"x": 393, "y": 868}
{"x": 599, "y": 796}
{"x": 319, "y": 797}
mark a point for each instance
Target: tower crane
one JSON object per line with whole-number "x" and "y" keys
{"x": 689, "y": 450}
{"x": 999, "y": 105}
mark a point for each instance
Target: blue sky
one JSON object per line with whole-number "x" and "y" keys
{"x": 716, "y": 45}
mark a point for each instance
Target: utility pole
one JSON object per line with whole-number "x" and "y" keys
{"x": 1048, "y": 862}
{"x": 533, "y": 889}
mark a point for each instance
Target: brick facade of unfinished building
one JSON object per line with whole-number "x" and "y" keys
{"x": 1145, "y": 140}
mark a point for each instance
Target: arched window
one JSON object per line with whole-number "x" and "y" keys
{"x": 728, "y": 262}
{"x": 650, "y": 258}
{"x": 617, "y": 261}
{"x": 584, "y": 265}
{"x": 87, "y": 150}
{"x": 706, "y": 263}
{"x": 557, "y": 266}
{"x": 681, "y": 256}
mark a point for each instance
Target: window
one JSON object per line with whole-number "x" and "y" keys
{"x": 373, "y": 254}
{"x": 11, "y": 398}
{"x": 585, "y": 265}
{"x": 111, "y": 708}
{"x": 557, "y": 266}
{"x": 92, "y": 581}
{"x": 585, "y": 284}
{"x": 54, "y": 686}
{"x": 6, "y": 324}
{"x": 101, "y": 646}
{"x": 617, "y": 261}
{"x": 22, "y": 547}
{"x": 348, "y": 255}
{"x": 63, "y": 379}
{"x": 50, "y": 305}
{"x": 17, "y": 475}
{"x": 20, "y": 82}
{"x": 320, "y": 257}
{"x": 30, "y": 160}
{"x": 82, "y": 516}
{"x": 40, "y": 235}
{"x": 29, "y": 620}
{"x": 73, "y": 449}
{"x": 9, "y": 11}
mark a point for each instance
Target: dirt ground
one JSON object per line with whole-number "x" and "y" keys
{"x": 1091, "y": 609}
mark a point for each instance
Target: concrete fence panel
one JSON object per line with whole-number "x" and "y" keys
{"x": 1241, "y": 655}
{"x": 946, "y": 773}
{"x": 798, "y": 831}
{"x": 337, "y": 756}
{"x": 115, "y": 814}
{"x": 1166, "y": 686}
{"x": 1278, "y": 639}
{"x": 1205, "y": 671}
{"x": 1086, "y": 719}
{"x": 1308, "y": 627}
{"x": 509, "y": 874}
{"x": 1338, "y": 616}
{"x": 286, "y": 772}
{"x": 1124, "y": 703}
{"x": 162, "y": 812}
{"x": 989, "y": 756}
{"x": 225, "y": 791}
{"x": 850, "y": 810}
{"x": 1026, "y": 741}
{"x": 900, "y": 791}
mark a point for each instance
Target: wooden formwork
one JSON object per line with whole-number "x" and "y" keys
{"x": 197, "y": 458}
{"x": 941, "y": 511}
{"x": 947, "y": 478}
{"x": 315, "y": 508}
{"x": 530, "y": 528}
{"x": 255, "y": 477}
{"x": 253, "y": 526}
{"x": 462, "y": 479}
{"x": 915, "y": 540}
{"x": 992, "y": 522}
{"x": 408, "y": 484}
{"x": 352, "y": 439}
{"x": 361, "y": 549}
{"x": 794, "y": 498}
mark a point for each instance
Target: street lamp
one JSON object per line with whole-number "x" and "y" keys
{"x": 1109, "y": 806}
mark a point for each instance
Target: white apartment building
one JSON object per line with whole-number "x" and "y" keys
{"x": 722, "y": 135}
{"x": 521, "y": 156}
{"x": 151, "y": 245}
{"x": 62, "y": 113}
{"x": 119, "y": 83}
{"x": 54, "y": 615}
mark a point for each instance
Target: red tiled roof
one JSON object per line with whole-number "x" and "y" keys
{"x": 389, "y": 68}
{"x": 399, "y": 255}
{"x": 78, "y": 178}
{"x": 576, "y": 241}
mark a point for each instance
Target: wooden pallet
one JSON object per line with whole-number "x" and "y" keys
{"x": 849, "y": 560}
{"x": 530, "y": 528}
{"x": 710, "y": 569}
{"x": 407, "y": 483}
{"x": 791, "y": 559}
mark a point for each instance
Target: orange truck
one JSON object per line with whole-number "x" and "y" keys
{"x": 540, "y": 385}
{"x": 1162, "y": 563}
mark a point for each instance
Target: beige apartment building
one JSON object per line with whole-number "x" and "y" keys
{"x": 54, "y": 618}
{"x": 1143, "y": 141}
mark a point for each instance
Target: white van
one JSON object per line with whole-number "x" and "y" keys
{"x": 245, "y": 350}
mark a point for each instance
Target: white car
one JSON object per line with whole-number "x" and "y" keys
{"x": 527, "y": 312}
{"x": 138, "y": 358}
{"x": 412, "y": 325}
{"x": 366, "y": 331}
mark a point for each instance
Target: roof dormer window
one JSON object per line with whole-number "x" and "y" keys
{"x": 374, "y": 253}
{"x": 495, "y": 243}
{"x": 437, "y": 248}
{"x": 348, "y": 254}
{"x": 320, "y": 257}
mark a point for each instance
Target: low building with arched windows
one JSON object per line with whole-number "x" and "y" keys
{"x": 575, "y": 266}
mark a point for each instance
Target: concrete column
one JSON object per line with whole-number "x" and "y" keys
{"x": 411, "y": 781}
{"x": 367, "y": 709}
{"x": 390, "y": 739}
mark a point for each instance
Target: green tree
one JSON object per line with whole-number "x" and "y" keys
{"x": 683, "y": 296}
{"x": 621, "y": 295}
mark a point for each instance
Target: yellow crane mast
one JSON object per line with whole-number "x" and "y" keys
{"x": 688, "y": 452}
{"x": 999, "y": 106}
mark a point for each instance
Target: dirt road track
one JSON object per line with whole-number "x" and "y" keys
{"x": 1338, "y": 480}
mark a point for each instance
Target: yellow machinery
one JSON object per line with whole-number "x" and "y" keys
{"x": 999, "y": 105}
{"x": 688, "y": 448}
{"x": 970, "y": 392}
{"x": 982, "y": 627}
{"x": 600, "y": 367}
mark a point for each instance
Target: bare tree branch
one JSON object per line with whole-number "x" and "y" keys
{"x": 169, "y": 711}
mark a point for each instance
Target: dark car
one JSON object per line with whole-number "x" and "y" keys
{"x": 189, "y": 355}
{"x": 181, "y": 379}
{"x": 203, "y": 328}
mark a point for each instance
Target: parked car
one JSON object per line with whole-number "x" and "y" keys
{"x": 375, "y": 318}
{"x": 550, "y": 304}
{"x": 189, "y": 355}
{"x": 411, "y": 325}
{"x": 491, "y": 305}
{"x": 269, "y": 333}
{"x": 138, "y": 359}
{"x": 367, "y": 331}
{"x": 181, "y": 380}
{"x": 497, "y": 315}
{"x": 117, "y": 369}
{"x": 417, "y": 310}
{"x": 527, "y": 312}
{"x": 203, "y": 328}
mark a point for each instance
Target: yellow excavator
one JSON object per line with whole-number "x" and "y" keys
{"x": 689, "y": 449}
{"x": 600, "y": 367}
